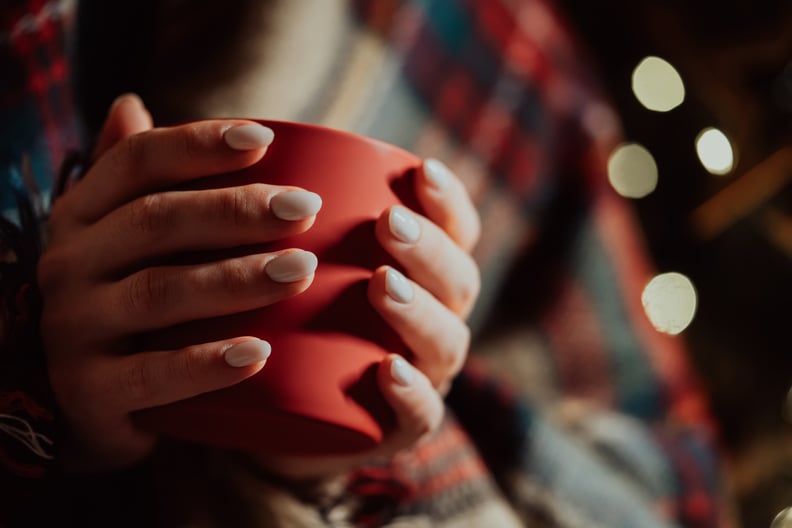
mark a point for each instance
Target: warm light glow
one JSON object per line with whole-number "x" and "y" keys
{"x": 715, "y": 151}
{"x": 632, "y": 171}
{"x": 783, "y": 519}
{"x": 669, "y": 300}
{"x": 657, "y": 85}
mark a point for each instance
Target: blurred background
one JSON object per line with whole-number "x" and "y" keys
{"x": 704, "y": 90}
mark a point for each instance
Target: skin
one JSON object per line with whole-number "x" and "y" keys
{"x": 122, "y": 216}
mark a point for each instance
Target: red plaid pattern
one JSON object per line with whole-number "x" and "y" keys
{"x": 32, "y": 45}
{"x": 502, "y": 92}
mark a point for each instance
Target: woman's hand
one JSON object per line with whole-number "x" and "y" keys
{"x": 102, "y": 287}
{"x": 101, "y": 284}
{"x": 428, "y": 306}
{"x": 427, "y": 310}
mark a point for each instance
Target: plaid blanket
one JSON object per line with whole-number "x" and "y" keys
{"x": 573, "y": 410}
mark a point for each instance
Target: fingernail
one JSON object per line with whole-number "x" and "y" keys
{"x": 402, "y": 224}
{"x": 292, "y": 266}
{"x": 398, "y": 287}
{"x": 295, "y": 205}
{"x": 126, "y": 97}
{"x": 248, "y": 353}
{"x": 438, "y": 175}
{"x": 401, "y": 372}
{"x": 248, "y": 137}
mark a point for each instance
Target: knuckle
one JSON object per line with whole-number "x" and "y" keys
{"x": 131, "y": 153}
{"x": 464, "y": 227}
{"x": 427, "y": 423}
{"x": 233, "y": 208}
{"x": 423, "y": 427}
{"x": 150, "y": 214}
{"x": 137, "y": 381}
{"x": 146, "y": 293}
{"x": 185, "y": 366}
{"x": 467, "y": 291}
{"x": 453, "y": 355}
{"x": 235, "y": 277}
{"x": 434, "y": 423}
{"x": 193, "y": 141}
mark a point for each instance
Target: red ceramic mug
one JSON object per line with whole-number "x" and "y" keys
{"x": 317, "y": 394}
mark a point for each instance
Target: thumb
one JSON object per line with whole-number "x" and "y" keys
{"x": 127, "y": 116}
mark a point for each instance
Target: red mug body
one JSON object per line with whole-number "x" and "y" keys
{"x": 317, "y": 394}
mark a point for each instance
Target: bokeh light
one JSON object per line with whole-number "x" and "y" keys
{"x": 715, "y": 151}
{"x": 632, "y": 171}
{"x": 670, "y": 301}
{"x": 657, "y": 85}
{"x": 783, "y": 519}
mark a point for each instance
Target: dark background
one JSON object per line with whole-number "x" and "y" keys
{"x": 735, "y": 58}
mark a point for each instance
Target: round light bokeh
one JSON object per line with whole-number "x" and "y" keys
{"x": 632, "y": 171}
{"x": 715, "y": 151}
{"x": 670, "y": 301}
{"x": 657, "y": 85}
{"x": 783, "y": 519}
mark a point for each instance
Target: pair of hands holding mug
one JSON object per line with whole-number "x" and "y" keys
{"x": 102, "y": 288}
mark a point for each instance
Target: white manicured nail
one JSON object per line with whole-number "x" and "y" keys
{"x": 292, "y": 266}
{"x": 248, "y": 137}
{"x": 248, "y": 353}
{"x": 402, "y": 372}
{"x": 295, "y": 205}
{"x": 403, "y": 225}
{"x": 398, "y": 287}
{"x": 437, "y": 173}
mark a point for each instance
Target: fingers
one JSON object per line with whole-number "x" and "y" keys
{"x": 150, "y": 379}
{"x": 160, "y": 158}
{"x": 418, "y": 407}
{"x": 427, "y": 310}
{"x": 159, "y": 297}
{"x": 435, "y": 250}
{"x": 176, "y": 222}
{"x": 430, "y": 257}
{"x": 438, "y": 338}
{"x": 419, "y": 411}
{"x": 127, "y": 116}
{"x": 107, "y": 389}
{"x": 448, "y": 204}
